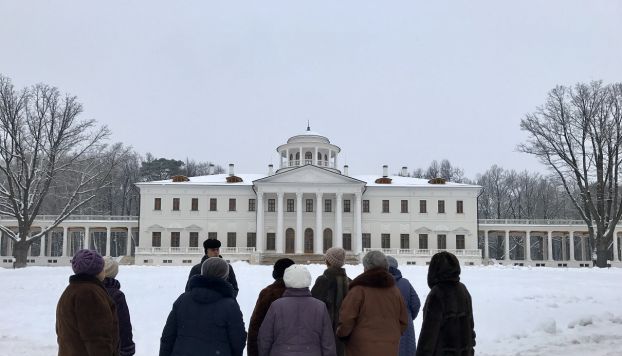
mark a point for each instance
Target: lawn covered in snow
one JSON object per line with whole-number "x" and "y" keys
{"x": 518, "y": 311}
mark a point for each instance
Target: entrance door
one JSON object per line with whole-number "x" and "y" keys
{"x": 290, "y": 240}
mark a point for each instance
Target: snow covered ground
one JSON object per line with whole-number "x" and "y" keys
{"x": 518, "y": 311}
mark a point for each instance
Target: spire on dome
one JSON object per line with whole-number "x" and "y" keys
{"x": 308, "y": 126}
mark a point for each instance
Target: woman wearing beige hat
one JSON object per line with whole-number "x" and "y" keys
{"x": 113, "y": 287}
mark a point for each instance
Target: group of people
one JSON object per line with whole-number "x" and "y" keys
{"x": 371, "y": 314}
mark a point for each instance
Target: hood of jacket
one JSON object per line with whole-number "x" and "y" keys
{"x": 111, "y": 283}
{"x": 444, "y": 267}
{"x": 375, "y": 278}
{"x": 207, "y": 289}
{"x": 396, "y": 273}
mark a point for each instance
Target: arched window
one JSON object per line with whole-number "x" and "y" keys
{"x": 297, "y": 156}
{"x": 328, "y": 239}
{"x": 308, "y": 240}
{"x": 290, "y": 241}
{"x": 308, "y": 158}
{"x": 291, "y": 158}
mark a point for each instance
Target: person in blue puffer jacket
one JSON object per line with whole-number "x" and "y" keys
{"x": 408, "y": 341}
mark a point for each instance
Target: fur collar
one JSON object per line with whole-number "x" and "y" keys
{"x": 374, "y": 278}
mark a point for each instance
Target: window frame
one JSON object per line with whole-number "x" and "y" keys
{"x": 386, "y": 206}
{"x": 423, "y": 206}
{"x": 347, "y": 206}
{"x": 365, "y": 205}
{"x": 176, "y": 202}
{"x": 157, "y": 204}
{"x": 213, "y": 204}
{"x": 404, "y": 206}
{"x": 194, "y": 204}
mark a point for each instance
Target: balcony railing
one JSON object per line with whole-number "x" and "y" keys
{"x": 189, "y": 250}
{"x": 531, "y": 222}
{"x": 425, "y": 252}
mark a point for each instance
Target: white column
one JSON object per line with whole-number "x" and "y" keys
{"x": 571, "y": 237}
{"x": 330, "y": 158}
{"x": 128, "y": 247}
{"x": 319, "y": 231}
{"x": 108, "y": 238}
{"x": 259, "y": 230}
{"x": 358, "y": 235}
{"x": 64, "y": 251}
{"x": 302, "y": 157}
{"x": 300, "y": 236}
{"x": 287, "y": 158}
{"x": 336, "y": 162}
{"x": 338, "y": 238}
{"x": 317, "y": 162}
{"x": 280, "y": 243}
{"x": 616, "y": 256}
{"x": 528, "y": 246}
{"x": 87, "y": 237}
{"x": 549, "y": 243}
{"x": 507, "y": 245}
{"x": 486, "y": 251}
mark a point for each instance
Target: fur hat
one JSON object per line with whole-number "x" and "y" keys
{"x": 375, "y": 259}
{"x": 297, "y": 276}
{"x": 87, "y": 262}
{"x": 215, "y": 267}
{"x": 211, "y": 243}
{"x": 280, "y": 266}
{"x": 111, "y": 267}
{"x": 336, "y": 256}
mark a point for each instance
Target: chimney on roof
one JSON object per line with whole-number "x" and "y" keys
{"x": 385, "y": 171}
{"x": 270, "y": 169}
{"x": 231, "y": 174}
{"x": 345, "y": 169}
{"x": 210, "y": 169}
{"x": 404, "y": 171}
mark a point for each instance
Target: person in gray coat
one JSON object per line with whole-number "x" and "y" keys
{"x": 297, "y": 324}
{"x": 408, "y": 341}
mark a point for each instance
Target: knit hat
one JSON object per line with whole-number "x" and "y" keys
{"x": 111, "y": 267}
{"x": 87, "y": 262}
{"x": 392, "y": 262}
{"x": 297, "y": 276}
{"x": 280, "y": 266}
{"x": 215, "y": 267}
{"x": 211, "y": 243}
{"x": 336, "y": 256}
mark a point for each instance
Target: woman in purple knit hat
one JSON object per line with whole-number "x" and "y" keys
{"x": 86, "y": 317}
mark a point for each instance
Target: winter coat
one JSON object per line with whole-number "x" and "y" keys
{"x": 196, "y": 269}
{"x": 373, "y": 315}
{"x": 408, "y": 341}
{"x": 86, "y": 319}
{"x": 331, "y": 287}
{"x": 448, "y": 327}
{"x": 126, "y": 344}
{"x": 296, "y": 324}
{"x": 265, "y": 299}
{"x": 204, "y": 321}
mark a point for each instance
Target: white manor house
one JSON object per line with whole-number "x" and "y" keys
{"x": 305, "y": 206}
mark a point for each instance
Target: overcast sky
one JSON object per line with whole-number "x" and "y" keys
{"x": 397, "y": 83}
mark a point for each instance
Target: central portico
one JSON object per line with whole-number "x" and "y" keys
{"x": 303, "y": 209}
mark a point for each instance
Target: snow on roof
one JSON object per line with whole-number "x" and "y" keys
{"x": 247, "y": 179}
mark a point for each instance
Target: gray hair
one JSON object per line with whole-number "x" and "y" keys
{"x": 215, "y": 267}
{"x": 375, "y": 259}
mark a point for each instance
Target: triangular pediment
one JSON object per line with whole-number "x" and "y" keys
{"x": 155, "y": 227}
{"x": 193, "y": 227}
{"x": 308, "y": 174}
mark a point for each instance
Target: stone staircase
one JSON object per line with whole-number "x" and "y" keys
{"x": 267, "y": 258}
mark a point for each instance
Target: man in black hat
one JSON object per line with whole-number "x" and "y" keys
{"x": 212, "y": 249}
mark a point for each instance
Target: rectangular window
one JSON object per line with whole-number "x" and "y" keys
{"x": 366, "y": 206}
{"x": 404, "y": 206}
{"x": 212, "y": 235}
{"x": 195, "y": 204}
{"x": 459, "y": 207}
{"x": 346, "y": 206}
{"x": 271, "y": 205}
{"x": 251, "y": 239}
{"x": 328, "y": 206}
{"x": 156, "y": 239}
{"x": 385, "y": 240}
{"x": 366, "y": 240}
{"x": 271, "y": 241}
{"x": 423, "y": 241}
{"x": 441, "y": 241}
{"x": 176, "y": 204}
{"x": 459, "y": 242}
{"x": 194, "y": 239}
{"x": 213, "y": 204}
{"x": 309, "y": 205}
{"x": 231, "y": 239}
{"x": 347, "y": 242}
{"x": 385, "y": 206}
{"x": 290, "y": 205}
{"x": 251, "y": 204}
{"x": 423, "y": 206}
{"x": 404, "y": 241}
{"x": 175, "y": 239}
{"x": 232, "y": 203}
{"x": 157, "y": 204}
{"x": 441, "y": 207}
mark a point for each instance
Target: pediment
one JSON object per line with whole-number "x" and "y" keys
{"x": 155, "y": 227}
{"x": 308, "y": 174}
{"x": 193, "y": 227}
{"x": 461, "y": 231}
{"x": 423, "y": 230}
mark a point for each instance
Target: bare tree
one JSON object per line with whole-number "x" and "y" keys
{"x": 41, "y": 139}
{"x": 577, "y": 133}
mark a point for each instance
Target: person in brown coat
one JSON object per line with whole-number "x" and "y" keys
{"x": 265, "y": 299}
{"x": 331, "y": 288}
{"x": 373, "y": 315}
{"x": 86, "y": 317}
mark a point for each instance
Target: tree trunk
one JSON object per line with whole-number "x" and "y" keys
{"x": 20, "y": 252}
{"x": 602, "y": 252}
